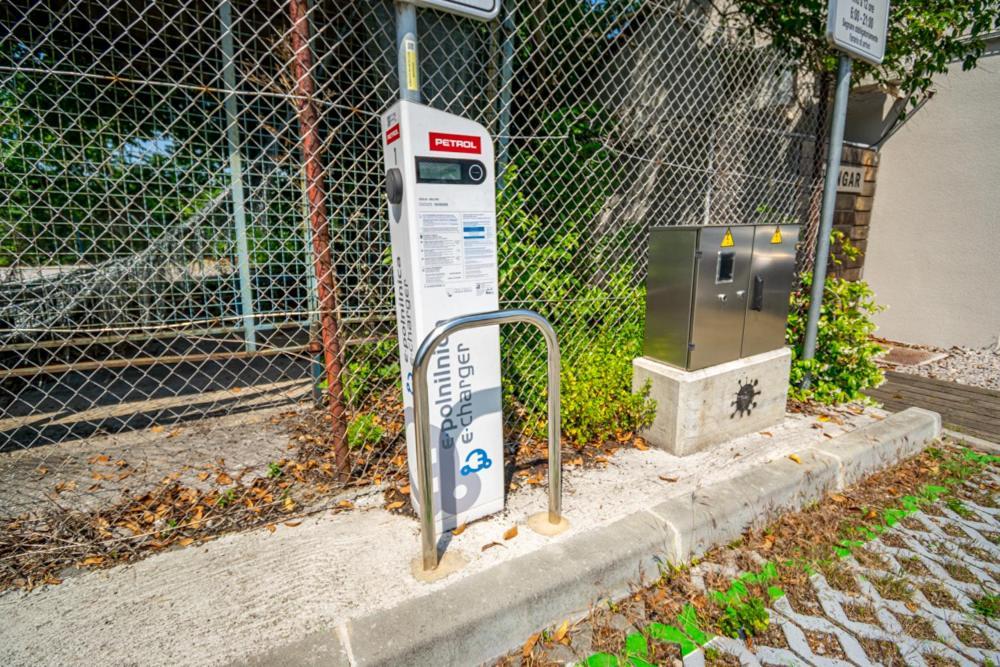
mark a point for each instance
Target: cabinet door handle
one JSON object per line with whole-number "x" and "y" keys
{"x": 757, "y": 302}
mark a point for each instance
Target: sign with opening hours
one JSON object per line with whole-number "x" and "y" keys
{"x": 482, "y": 10}
{"x": 859, "y": 27}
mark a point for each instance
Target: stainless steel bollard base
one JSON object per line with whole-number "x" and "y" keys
{"x": 542, "y": 524}
{"x": 450, "y": 562}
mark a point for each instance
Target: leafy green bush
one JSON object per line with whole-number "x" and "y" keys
{"x": 370, "y": 366}
{"x": 597, "y": 401}
{"x": 596, "y": 317}
{"x": 364, "y": 429}
{"x": 844, "y": 364}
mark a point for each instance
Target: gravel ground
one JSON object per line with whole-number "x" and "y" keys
{"x": 980, "y": 368}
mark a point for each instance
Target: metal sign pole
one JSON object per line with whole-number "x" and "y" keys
{"x": 406, "y": 44}
{"x": 826, "y": 212}
{"x": 857, "y": 30}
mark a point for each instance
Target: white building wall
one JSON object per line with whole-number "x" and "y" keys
{"x": 934, "y": 244}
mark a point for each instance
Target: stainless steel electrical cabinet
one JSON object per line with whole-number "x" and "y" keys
{"x": 772, "y": 272}
{"x": 715, "y": 294}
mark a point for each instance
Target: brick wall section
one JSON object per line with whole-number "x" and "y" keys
{"x": 852, "y": 213}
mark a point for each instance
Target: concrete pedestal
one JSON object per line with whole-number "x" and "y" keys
{"x": 698, "y": 409}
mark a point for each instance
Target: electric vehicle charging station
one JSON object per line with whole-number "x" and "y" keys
{"x": 440, "y": 186}
{"x": 442, "y": 221}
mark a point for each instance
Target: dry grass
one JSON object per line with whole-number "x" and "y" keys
{"x": 938, "y": 596}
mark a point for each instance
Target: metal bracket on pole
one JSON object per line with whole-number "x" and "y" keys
{"x": 826, "y": 214}
{"x": 421, "y": 423}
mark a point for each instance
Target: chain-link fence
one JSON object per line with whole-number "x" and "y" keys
{"x": 164, "y": 330}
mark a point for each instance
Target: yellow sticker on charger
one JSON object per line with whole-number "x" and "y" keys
{"x": 412, "y": 73}
{"x": 727, "y": 240}
{"x": 776, "y": 236}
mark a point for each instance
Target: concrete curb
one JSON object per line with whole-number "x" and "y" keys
{"x": 477, "y": 618}
{"x": 974, "y": 442}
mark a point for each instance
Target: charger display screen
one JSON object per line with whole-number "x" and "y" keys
{"x": 439, "y": 172}
{"x": 450, "y": 171}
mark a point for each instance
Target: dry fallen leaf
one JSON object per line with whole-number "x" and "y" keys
{"x": 203, "y": 476}
{"x": 561, "y": 632}
{"x": 578, "y": 461}
{"x": 157, "y": 429}
{"x": 459, "y": 530}
{"x": 185, "y": 541}
{"x": 289, "y": 504}
{"x": 768, "y": 542}
{"x": 223, "y": 479}
{"x": 271, "y": 527}
{"x": 668, "y": 478}
{"x": 395, "y": 505}
{"x": 99, "y": 458}
{"x": 837, "y": 498}
{"x": 641, "y": 445}
{"x": 491, "y": 544}
{"x": 767, "y": 433}
{"x": 42, "y": 471}
{"x": 405, "y": 490}
{"x": 511, "y": 533}
{"x": 93, "y": 560}
{"x": 529, "y": 645}
{"x": 346, "y": 504}
{"x": 795, "y": 457}
{"x": 293, "y": 524}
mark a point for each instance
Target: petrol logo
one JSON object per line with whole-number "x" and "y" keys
{"x": 455, "y": 143}
{"x": 392, "y": 134}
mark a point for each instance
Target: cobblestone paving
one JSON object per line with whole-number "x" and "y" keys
{"x": 953, "y": 558}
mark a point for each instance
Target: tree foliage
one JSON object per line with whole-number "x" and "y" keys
{"x": 924, "y": 37}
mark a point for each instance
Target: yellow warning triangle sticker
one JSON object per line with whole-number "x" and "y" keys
{"x": 727, "y": 240}
{"x": 776, "y": 237}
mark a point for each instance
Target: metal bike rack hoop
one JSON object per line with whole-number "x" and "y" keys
{"x": 421, "y": 423}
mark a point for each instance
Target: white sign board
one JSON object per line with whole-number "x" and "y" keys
{"x": 859, "y": 28}
{"x": 442, "y": 223}
{"x": 851, "y": 179}
{"x": 483, "y": 10}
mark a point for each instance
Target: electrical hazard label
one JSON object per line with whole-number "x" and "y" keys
{"x": 727, "y": 240}
{"x": 776, "y": 236}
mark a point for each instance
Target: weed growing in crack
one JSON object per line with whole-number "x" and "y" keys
{"x": 987, "y": 605}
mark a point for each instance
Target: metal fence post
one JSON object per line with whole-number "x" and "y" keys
{"x": 506, "y": 94}
{"x": 326, "y": 281}
{"x": 829, "y": 201}
{"x": 236, "y": 175}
